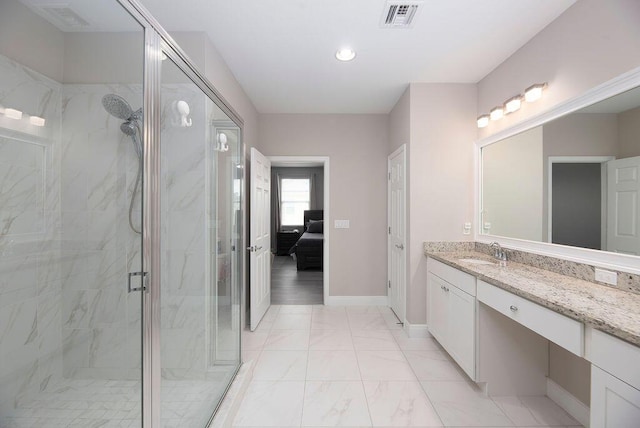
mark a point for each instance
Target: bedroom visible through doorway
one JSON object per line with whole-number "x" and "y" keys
{"x": 298, "y": 237}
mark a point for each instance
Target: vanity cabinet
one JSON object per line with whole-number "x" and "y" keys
{"x": 451, "y": 313}
{"x": 615, "y": 382}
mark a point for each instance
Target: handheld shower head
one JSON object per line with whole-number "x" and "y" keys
{"x": 128, "y": 128}
{"x": 117, "y": 106}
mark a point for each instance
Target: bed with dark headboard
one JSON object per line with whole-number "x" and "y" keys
{"x": 309, "y": 248}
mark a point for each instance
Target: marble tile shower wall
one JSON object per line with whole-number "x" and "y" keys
{"x": 100, "y": 319}
{"x": 30, "y": 288}
{"x": 185, "y": 315}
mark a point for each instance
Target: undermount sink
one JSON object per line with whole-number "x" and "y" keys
{"x": 477, "y": 261}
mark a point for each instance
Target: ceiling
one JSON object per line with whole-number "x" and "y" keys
{"x": 282, "y": 51}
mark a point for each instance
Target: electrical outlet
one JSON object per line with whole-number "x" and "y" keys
{"x": 606, "y": 276}
{"x": 341, "y": 224}
{"x": 466, "y": 229}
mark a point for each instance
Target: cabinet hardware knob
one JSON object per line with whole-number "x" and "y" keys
{"x": 513, "y": 308}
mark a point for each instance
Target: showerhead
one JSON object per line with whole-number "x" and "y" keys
{"x": 117, "y": 106}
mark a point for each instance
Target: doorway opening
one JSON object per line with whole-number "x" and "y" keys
{"x": 299, "y": 238}
{"x": 578, "y": 200}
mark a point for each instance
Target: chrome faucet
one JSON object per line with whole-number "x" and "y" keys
{"x": 500, "y": 253}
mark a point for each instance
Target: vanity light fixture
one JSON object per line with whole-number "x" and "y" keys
{"x": 345, "y": 54}
{"x": 36, "y": 121}
{"x": 534, "y": 92}
{"x": 496, "y": 113}
{"x": 483, "y": 121}
{"x": 13, "y": 113}
{"x": 513, "y": 104}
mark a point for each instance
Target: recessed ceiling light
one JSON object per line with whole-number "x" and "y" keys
{"x": 345, "y": 54}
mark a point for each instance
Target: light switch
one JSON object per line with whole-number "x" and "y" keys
{"x": 341, "y": 224}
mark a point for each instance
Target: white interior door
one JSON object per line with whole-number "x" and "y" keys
{"x": 260, "y": 237}
{"x": 397, "y": 258}
{"x": 623, "y": 206}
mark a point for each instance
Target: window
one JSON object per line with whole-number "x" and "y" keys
{"x": 294, "y": 200}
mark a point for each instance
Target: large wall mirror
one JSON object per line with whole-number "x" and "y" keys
{"x": 573, "y": 180}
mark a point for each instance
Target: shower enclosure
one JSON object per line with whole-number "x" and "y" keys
{"x": 121, "y": 207}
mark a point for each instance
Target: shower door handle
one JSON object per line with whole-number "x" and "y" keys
{"x": 144, "y": 281}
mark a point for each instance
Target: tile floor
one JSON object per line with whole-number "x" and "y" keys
{"x": 354, "y": 366}
{"x": 114, "y": 403}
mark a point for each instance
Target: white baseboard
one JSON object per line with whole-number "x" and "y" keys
{"x": 357, "y": 301}
{"x": 568, "y": 402}
{"x": 416, "y": 330}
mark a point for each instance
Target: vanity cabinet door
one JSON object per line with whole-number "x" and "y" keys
{"x": 614, "y": 403}
{"x": 451, "y": 315}
{"x": 462, "y": 332}
{"x": 437, "y": 308}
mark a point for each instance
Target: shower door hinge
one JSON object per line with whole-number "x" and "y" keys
{"x": 389, "y": 283}
{"x": 143, "y": 281}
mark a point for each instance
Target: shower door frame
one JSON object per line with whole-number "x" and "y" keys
{"x": 158, "y": 41}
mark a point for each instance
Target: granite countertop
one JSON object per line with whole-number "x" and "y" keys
{"x": 613, "y": 311}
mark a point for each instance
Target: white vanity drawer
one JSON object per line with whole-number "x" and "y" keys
{"x": 462, "y": 280}
{"x": 616, "y": 356}
{"x": 559, "y": 329}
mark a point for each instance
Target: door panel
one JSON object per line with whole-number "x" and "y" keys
{"x": 397, "y": 232}
{"x": 260, "y": 237}
{"x": 200, "y": 214}
{"x": 437, "y": 307}
{"x": 623, "y": 206}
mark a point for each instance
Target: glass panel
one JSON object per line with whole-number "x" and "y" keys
{"x": 70, "y": 347}
{"x": 201, "y": 217}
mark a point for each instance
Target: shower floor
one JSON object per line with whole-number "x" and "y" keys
{"x": 110, "y": 403}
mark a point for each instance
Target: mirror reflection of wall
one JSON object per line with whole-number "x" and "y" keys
{"x": 551, "y": 184}
{"x": 512, "y": 186}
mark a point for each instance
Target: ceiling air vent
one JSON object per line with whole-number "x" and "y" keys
{"x": 399, "y": 14}
{"x": 64, "y": 16}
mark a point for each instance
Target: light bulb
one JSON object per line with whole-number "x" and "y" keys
{"x": 13, "y": 113}
{"x": 37, "y": 121}
{"x": 497, "y": 113}
{"x": 483, "y": 121}
{"x": 534, "y": 92}
{"x": 513, "y": 104}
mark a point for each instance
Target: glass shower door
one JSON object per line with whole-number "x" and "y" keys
{"x": 200, "y": 194}
{"x": 70, "y": 216}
